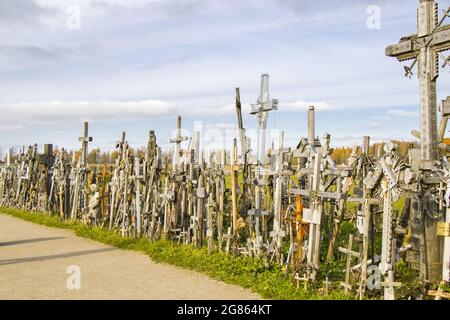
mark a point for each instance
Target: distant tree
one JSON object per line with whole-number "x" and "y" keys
{"x": 105, "y": 157}
{"x": 113, "y": 156}
{"x": 94, "y": 156}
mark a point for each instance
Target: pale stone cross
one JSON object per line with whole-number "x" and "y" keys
{"x": 85, "y": 139}
{"x": 261, "y": 108}
{"x": 177, "y": 140}
{"x": 425, "y": 46}
{"x": 389, "y": 285}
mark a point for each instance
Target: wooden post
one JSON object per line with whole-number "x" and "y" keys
{"x": 234, "y": 186}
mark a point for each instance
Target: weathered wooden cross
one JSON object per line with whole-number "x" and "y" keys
{"x": 138, "y": 178}
{"x": 439, "y": 294}
{"x": 350, "y": 254}
{"x": 424, "y": 47}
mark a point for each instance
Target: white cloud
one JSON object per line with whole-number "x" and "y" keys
{"x": 402, "y": 113}
{"x": 301, "y": 105}
{"x": 53, "y": 111}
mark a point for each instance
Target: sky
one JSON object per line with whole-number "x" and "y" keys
{"x": 134, "y": 65}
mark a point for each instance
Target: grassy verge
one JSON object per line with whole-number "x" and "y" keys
{"x": 268, "y": 281}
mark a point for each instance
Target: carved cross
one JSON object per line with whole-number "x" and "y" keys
{"x": 424, "y": 47}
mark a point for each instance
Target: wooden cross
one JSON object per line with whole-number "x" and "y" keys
{"x": 138, "y": 177}
{"x": 228, "y": 236}
{"x": 234, "y": 186}
{"x": 327, "y": 284}
{"x": 439, "y": 294}
{"x": 424, "y": 47}
{"x": 350, "y": 254}
{"x": 210, "y": 227}
{"x": 280, "y": 173}
{"x": 167, "y": 196}
{"x": 305, "y": 280}
{"x": 201, "y": 195}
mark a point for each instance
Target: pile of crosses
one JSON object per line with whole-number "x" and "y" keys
{"x": 284, "y": 206}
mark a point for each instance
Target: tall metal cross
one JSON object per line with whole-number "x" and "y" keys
{"x": 177, "y": 140}
{"x": 85, "y": 139}
{"x": 261, "y": 108}
{"x": 424, "y": 48}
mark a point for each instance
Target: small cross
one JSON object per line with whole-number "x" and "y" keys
{"x": 327, "y": 284}
{"x": 439, "y": 294}
{"x": 305, "y": 280}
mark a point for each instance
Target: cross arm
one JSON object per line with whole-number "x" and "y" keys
{"x": 408, "y": 48}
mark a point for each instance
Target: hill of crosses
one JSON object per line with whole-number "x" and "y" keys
{"x": 372, "y": 222}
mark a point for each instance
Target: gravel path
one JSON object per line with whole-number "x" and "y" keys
{"x": 38, "y": 262}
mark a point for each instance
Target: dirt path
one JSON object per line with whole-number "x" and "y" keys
{"x": 34, "y": 262}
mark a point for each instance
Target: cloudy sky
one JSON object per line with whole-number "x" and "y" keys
{"x": 133, "y": 65}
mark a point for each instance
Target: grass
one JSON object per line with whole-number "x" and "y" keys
{"x": 269, "y": 281}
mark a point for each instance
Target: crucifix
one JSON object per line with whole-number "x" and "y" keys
{"x": 177, "y": 140}
{"x": 346, "y": 185}
{"x": 281, "y": 174}
{"x": 81, "y": 178}
{"x": 313, "y": 164}
{"x": 386, "y": 176}
{"x": 261, "y": 108}
{"x": 424, "y": 48}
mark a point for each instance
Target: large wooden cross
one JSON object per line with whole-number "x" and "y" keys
{"x": 424, "y": 47}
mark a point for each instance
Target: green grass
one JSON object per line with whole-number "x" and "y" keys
{"x": 269, "y": 281}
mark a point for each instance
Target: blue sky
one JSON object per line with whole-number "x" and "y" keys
{"x": 134, "y": 65}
